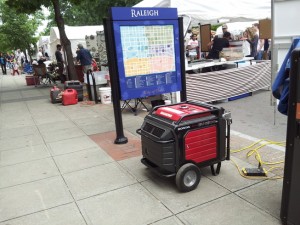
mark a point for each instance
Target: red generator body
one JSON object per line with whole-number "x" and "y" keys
{"x": 69, "y": 97}
{"x": 55, "y": 95}
{"x": 179, "y": 139}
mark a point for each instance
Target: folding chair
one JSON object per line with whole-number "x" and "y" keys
{"x": 41, "y": 72}
{"x": 137, "y": 102}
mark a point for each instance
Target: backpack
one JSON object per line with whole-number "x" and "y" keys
{"x": 280, "y": 87}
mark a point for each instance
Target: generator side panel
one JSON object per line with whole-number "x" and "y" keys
{"x": 201, "y": 144}
{"x": 160, "y": 154}
{"x": 222, "y": 140}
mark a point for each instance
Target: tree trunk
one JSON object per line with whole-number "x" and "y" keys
{"x": 64, "y": 40}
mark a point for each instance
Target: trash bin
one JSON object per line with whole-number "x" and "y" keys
{"x": 105, "y": 95}
{"x": 99, "y": 80}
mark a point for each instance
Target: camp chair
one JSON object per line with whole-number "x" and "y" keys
{"x": 41, "y": 72}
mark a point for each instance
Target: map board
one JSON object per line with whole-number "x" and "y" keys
{"x": 148, "y": 51}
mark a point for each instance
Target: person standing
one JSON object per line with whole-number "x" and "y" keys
{"x": 224, "y": 29}
{"x": 84, "y": 57}
{"x": 260, "y": 43}
{"x": 3, "y": 63}
{"x": 15, "y": 68}
{"x": 60, "y": 63}
{"x": 246, "y": 45}
{"x": 193, "y": 47}
{"x": 252, "y": 38}
{"x": 9, "y": 58}
{"x": 39, "y": 57}
{"x": 218, "y": 45}
{"x": 20, "y": 59}
{"x": 267, "y": 51}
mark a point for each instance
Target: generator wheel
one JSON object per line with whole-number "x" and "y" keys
{"x": 188, "y": 177}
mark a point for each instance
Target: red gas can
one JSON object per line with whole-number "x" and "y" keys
{"x": 69, "y": 97}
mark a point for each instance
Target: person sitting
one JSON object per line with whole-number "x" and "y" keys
{"x": 46, "y": 56}
{"x": 217, "y": 46}
{"x": 27, "y": 67}
{"x": 39, "y": 57}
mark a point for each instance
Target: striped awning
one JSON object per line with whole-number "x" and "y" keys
{"x": 224, "y": 84}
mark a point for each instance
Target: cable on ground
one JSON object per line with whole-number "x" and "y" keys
{"x": 255, "y": 151}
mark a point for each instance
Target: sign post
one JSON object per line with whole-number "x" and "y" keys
{"x": 291, "y": 182}
{"x": 113, "y": 71}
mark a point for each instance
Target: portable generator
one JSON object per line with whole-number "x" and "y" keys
{"x": 179, "y": 139}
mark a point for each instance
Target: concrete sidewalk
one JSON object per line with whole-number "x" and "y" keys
{"x": 58, "y": 165}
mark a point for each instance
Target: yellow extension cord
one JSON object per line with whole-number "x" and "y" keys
{"x": 259, "y": 158}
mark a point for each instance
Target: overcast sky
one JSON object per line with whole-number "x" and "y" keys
{"x": 44, "y": 23}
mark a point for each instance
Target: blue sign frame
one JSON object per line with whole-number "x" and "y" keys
{"x": 141, "y": 72}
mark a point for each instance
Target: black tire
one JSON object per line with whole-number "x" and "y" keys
{"x": 188, "y": 177}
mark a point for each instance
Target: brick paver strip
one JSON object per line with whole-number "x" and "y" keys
{"x": 118, "y": 151}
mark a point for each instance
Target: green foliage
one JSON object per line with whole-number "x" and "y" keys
{"x": 88, "y": 12}
{"x": 17, "y": 29}
{"x": 27, "y": 6}
{"x": 70, "y": 12}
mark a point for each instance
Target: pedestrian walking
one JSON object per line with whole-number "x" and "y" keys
{"x": 3, "y": 63}
{"x": 15, "y": 68}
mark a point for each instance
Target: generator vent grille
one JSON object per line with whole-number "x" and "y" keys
{"x": 151, "y": 129}
{"x": 148, "y": 127}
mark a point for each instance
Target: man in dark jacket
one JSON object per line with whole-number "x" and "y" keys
{"x": 60, "y": 63}
{"x": 218, "y": 45}
{"x": 85, "y": 58}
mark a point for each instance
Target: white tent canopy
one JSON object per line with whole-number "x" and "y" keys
{"x": 44, "y": 43}
{"x": 43, "y": 40}
{"x": 216, "y": 11}
{"x": 236, "y": 28}
{"x": 75, "y": 34}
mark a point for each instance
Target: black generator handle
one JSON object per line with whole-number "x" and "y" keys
{"x": 139, "y": 131}
{"x": 89, "y": 72}
{"x": 227, "y": 117}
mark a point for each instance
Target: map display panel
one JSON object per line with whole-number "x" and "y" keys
{"x": 147, "y": 49}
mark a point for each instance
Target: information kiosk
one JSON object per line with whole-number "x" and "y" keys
{"x": 145, "y": 54}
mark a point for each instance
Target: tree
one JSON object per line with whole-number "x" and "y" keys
{"x": 71, "y": 12}
{"x": 88, "y": 12}
{"x": 17, "y": 29}
{"x": 64, "y": 39}
{"x": 31, "y": 6}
